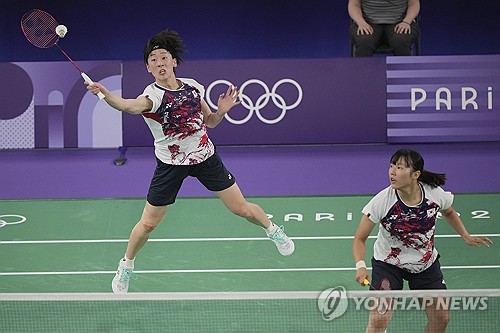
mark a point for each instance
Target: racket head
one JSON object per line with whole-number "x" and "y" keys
{"x": 385, "y": 284}
{"x": 385, "y": 303}
{"x": 39, "y": 28}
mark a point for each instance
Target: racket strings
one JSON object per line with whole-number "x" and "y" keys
{"x": 39, "y": 28}
{"x": 385, "y": 303}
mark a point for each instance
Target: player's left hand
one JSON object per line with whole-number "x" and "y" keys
{"x": 228, "y": 99}
{"x": 477, "y": 241}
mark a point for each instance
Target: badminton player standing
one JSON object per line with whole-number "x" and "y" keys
{"x": 177, "y": 115}
{"x": 404, "y": 249}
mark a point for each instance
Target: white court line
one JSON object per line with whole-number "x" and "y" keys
{"x": 229, "y": 270}
{"x": 217, "y": 239}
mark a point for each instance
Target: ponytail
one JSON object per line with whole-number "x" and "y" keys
{"x": 432, "y": 179}
{"x": 415, "y": 161}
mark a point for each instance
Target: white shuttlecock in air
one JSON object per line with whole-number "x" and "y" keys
{"x": 61, "y": 30}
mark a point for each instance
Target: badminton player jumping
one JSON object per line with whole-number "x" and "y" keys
{"x": 404, "y": 250}
{"x": 177, "y": 115}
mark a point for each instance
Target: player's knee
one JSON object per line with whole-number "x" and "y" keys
{"x": 380, "y": 321}
{"x": 148, "y": 227}
{"x": 440, "y": 319}
{"x": 243, "y": 210}
{"x": 445, "y": 319}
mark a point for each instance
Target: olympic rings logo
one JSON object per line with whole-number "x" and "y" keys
{"x": 261, "y": 102}
{"x": 6, "y": 219}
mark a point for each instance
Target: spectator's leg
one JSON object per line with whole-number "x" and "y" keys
{"x": 401, "y": 44}
{"x": 365, "y": 44}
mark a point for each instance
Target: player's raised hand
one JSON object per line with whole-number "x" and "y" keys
{"x": 228, "y": 99}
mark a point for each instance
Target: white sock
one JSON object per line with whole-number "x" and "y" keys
{"x": 272, "y": 228}
{"x": 129, "y": 263}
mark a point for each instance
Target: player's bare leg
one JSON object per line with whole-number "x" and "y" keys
{"x": 150, "y": 219}
{"x": 437, "y": 313}
{"x": 237, "y": 204}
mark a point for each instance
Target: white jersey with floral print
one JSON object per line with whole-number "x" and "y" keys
{"x": 176, "y": 122}
{"x": 406, "y": 233}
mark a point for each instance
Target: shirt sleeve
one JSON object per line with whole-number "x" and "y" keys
{"x": 153, "y": 95}
{"x": 373, "y": 208}
{"x": 369, "y": 211}
{"x": 377, "y": 208}
{"x": 445, "y": 198}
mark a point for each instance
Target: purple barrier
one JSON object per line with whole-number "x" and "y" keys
{"x": 307, "y": 101}
{"x": 443, "y": 99}
{"x": 46, "y": 104}
{"x": 284, "y": 102}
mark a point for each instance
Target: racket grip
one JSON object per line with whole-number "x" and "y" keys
{"x": 89, "y": 81}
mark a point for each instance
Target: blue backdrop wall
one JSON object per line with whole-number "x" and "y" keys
{"x": 230, "y": 29}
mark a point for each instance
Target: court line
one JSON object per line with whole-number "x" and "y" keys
{"x": 229, "y": 270}
{"x": 214, "y": 239}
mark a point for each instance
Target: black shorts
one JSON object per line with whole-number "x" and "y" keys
{"x": 167, "y": 179}
{"x": 431, "y": 278}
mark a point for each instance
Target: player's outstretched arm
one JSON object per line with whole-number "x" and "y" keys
{"x": 451, "y": 216}
{"x": 134, "y": 106}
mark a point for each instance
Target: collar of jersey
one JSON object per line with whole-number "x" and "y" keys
{"x": 166, "y": 89}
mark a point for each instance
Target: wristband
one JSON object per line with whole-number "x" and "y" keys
{"x": 406, "y": 23}
{"x": 360, "y": 264}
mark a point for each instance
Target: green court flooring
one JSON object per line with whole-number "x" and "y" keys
{"x": 73, "y": 246}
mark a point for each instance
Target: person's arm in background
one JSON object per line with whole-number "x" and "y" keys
{"x": 404, "y": 27}
{"x": 412, "y": 11}
{"x": 355, "y": 12}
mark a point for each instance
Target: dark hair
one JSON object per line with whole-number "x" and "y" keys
{"x": 168, "y": 40}
{"x": 415, "y": 161}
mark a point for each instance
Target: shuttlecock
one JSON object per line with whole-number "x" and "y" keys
{"x": 61, "y": 30}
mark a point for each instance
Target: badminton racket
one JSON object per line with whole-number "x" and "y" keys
{"x": 39, "y": 28}
{"x": 383, "y": 304}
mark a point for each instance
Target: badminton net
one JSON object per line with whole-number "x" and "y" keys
{"x": 333, "y": 310}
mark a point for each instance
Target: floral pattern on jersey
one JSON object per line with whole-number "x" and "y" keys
{"x": 181, "y": 120}
{"x": 181, "y": 157}
{"x": 413, "y": 228}
{"x": 394, "y": 255}
{"x": 181, "y": 111}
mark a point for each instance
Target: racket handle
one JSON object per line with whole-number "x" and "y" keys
{"x": 89, "y": 81}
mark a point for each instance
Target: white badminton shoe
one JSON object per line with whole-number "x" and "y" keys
{"x": 122, "y": 277}
{"x": 284, "y": 244}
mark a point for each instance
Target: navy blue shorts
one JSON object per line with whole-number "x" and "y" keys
{"x": 167, "y": 179}
{"x": 431, "y": 278}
